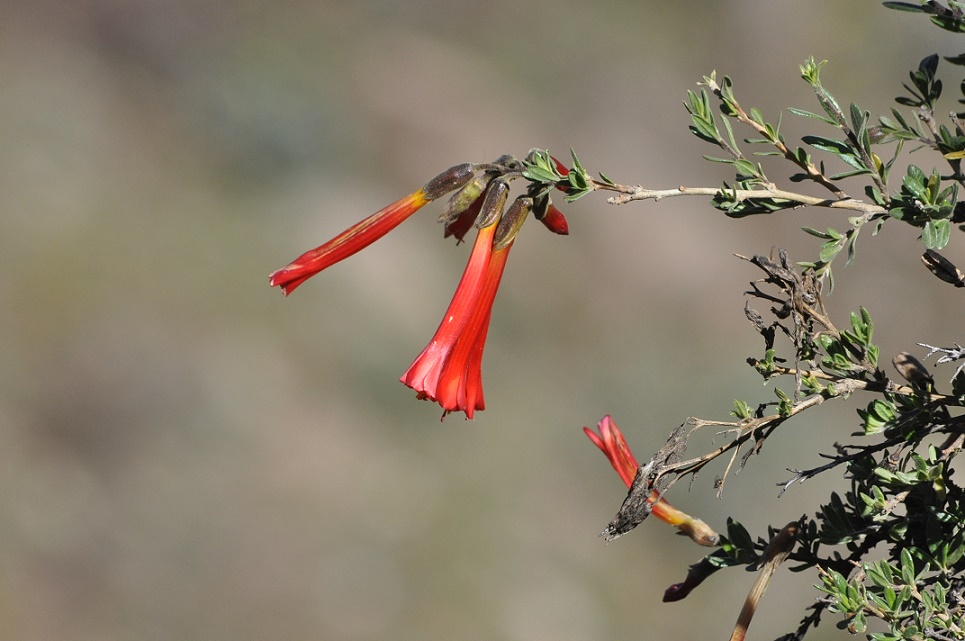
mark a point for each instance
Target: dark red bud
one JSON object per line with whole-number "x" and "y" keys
{"x": 560, "y": 167}
{"x": 554, "y": 220}
{"x": 449, "y": 180}
{"x": 564, "y": 171}
{"x": 511, "y": 222}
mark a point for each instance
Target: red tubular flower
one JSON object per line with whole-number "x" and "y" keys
{"x": 460, "y": 384}
{"x": 449, "y": 369}
{"x": 364, "y": 233}
{"x": 355, "y": 238}
{"x": 611, "y": 442}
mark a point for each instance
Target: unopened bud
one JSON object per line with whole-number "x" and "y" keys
{"x": 449, "y": 180}
{"x": 461, "y": 224}
{"x": 462, "y": 199}
{"x": 511, "y": 222}
{"x": 943, "y": 268}
{"x": 493, "y": 203}
{"x": 551, "y": 217}
{"x": 560, "y": 167}
{"x": 564, "y": 171}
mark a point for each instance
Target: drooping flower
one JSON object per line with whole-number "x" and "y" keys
{"x": 609, "y": 439}
{"x": 449, "y": 369}
{"x": 364, "y": 233}
{"x": 466, "y": 367}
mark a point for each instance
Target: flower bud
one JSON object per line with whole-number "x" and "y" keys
{"x": 462, "y": 199}
{"x": 493, "y": 203}
{"x": 551, "y": 217}
{"x": 449, "y": 180}
{"x": 560, "y": 167}
{"x": 564, "y": 171}
{"x": 511, "y": 222}
{"x": 461, "y": 224}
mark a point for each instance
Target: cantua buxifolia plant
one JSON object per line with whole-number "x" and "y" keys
{"x": 886, "y": 550}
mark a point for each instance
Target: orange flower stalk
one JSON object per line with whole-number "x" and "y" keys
{"x": 611, "y": 442}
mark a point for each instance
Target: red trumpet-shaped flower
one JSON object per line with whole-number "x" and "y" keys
{"x": 611, "y": 442}
{"x": 355, "y": 238}
{"x": 364, "y": 233}
{"x": 449, "y": 369}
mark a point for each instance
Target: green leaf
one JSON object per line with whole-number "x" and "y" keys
{"x": 905, "y": 6}
{"x": 739, "y": 538}
{"x": 742, "y": 410}
{"x": 831, "y": 145}
{"x": 936, "y": 233}
{"x": 829, "y": 250}
{"x": 825, "y": 235}
{"x": 907, "y": 567}
{"x": 810, "y": 114}
{"x": 851, "y": 174}
{"x": 539, "y": 174}
{"x": 576, "y": 162}
{"x": 859, "y": 119}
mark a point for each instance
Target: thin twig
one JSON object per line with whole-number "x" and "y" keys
{"x": 857, "y": 384}
{"x": 630, "y": 193}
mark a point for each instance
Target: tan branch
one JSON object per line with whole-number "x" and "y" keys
{"x": 776, "y": 553}
{"x": 628, "y": 193}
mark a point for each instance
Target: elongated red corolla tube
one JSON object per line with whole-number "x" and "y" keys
{"x": 460, "y": 384}
{"x": 428, "y": 375}
{"x": 364, "y": 233}
{"x": 354, "y": 239}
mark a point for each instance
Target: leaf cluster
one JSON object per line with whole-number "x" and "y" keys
{"x": 547, "y": 172}
{"x": 891, "y": 547}
{"x": 949, "y": 16}
{"x": 926, "y": 201}
{"x": 910, "y": 504}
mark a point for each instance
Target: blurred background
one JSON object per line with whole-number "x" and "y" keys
{"x": 186, "y": 454}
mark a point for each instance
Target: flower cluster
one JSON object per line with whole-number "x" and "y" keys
{"x": 449, "y": 369}
{"x": 609, "y": 439}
